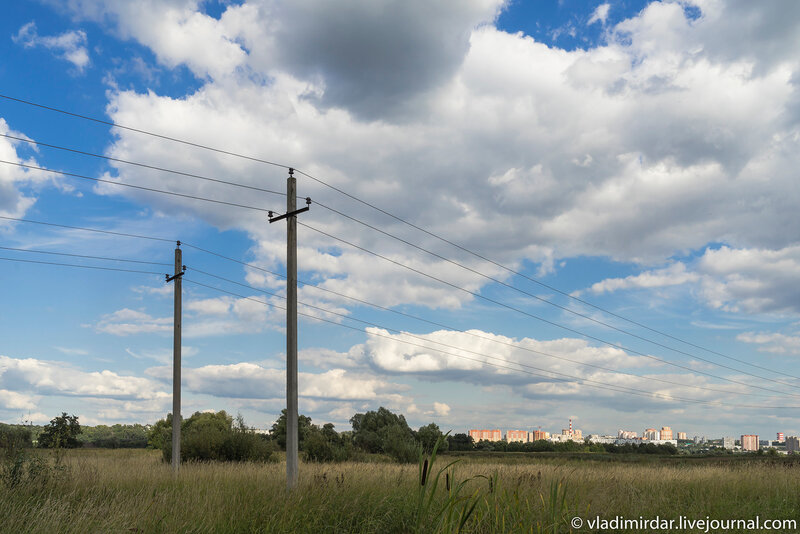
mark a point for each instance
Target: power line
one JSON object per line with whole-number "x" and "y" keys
{"x": 333, "y": 292}
{"x": 144, "y": 165}
{"x": 546, "y": 301}
{"x": 427, "y": 251}
{"x": 512, "y": 308}
{"x": 83, "y": 256}
{"x": 369, "y": 323}
{"x": 109, "y": 232}
{"x": 619, "y": 389}
{"x": 81, "y": 266}
{"x": 412, "y": 225}
{"x": 143, "y": 188}
{"x": 145, "y": 132}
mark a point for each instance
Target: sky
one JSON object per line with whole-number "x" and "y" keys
{"x": 522, "y": 211}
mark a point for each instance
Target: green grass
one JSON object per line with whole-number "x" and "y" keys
{"x": 133, "y": 491}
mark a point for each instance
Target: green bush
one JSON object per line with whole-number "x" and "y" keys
{"x": 212, "y": 437}
{"x": 14, "y": 437}
{"x": 326, "y": 445}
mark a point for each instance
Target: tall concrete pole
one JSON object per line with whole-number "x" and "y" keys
{"x": 176, "y": 363}
{"x": 292, "y": 437}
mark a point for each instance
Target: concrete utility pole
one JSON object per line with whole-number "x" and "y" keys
{"x": 292, "y": 437}
{"x": 176, "y": 360}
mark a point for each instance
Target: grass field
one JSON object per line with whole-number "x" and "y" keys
{"x": 133, "y": 491}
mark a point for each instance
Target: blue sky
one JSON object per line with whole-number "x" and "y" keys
{"x": 638, "y": 156}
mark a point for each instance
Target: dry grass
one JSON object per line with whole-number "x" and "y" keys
{"x": 133, "y": 491}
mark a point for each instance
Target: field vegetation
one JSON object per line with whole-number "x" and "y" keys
{"x": 125, "y": 490}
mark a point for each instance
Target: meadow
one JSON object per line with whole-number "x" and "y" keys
{"x": 94, "y": 490}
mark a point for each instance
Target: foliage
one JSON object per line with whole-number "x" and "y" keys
{"x": 129, "y": 490}
{"x": 160, "y": 433}
{"x": 382, "y": 431}
{"x": 326, "y": 445}
{"x": 460, "y": 442}
{"x": 207, "y": 436}
{"x": 278, "y": 431}
{"x": 115, "y": 436}
{"x": 429, "y": 436}
{"x": 458, "y": 503}
{"x": 62, "y": 432}
{"x": 15, "y": 437}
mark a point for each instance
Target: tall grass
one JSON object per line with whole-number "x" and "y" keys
{"x": 133, "y": 491}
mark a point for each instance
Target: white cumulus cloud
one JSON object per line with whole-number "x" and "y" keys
{"x": 70, "y": 46}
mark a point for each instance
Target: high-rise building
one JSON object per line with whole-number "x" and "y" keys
{"x": 781, "y": 437}
{"x": 626, "y": 434}
{"x": 792, "y": 444}
{"x": 651, "y": 434}
{"x": 517, "y": 435}
{"x": 488, "y": 435}
{"x": 750, "y": 442}
{"x": 681, "y": 435}
{"x": 666, "y": 433}
{"x": 728, "y": 443}
{"x": 536, "y": 435}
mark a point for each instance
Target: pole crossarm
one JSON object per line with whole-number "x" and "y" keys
{"x": 173, "y": 277}
{"x": 290, "y": 214}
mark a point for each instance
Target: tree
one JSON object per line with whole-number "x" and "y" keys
{"x": 278, "y": 431}
{"x": 460, "y": 442}
{"x": 428, "y": 436}
{"x": 380, "y": 431}
{"x": 62, "y": 432}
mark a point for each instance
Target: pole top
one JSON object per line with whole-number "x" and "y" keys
{"x": 291, "y": 171}
{"x": 178, "y": 244}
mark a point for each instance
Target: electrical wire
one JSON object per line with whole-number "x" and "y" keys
{"x": 619, "y": 389}
{"x": 83, "y": 256}
{"x": 109, "y": 232}
{"x": 400, "y": 220}
{"x": 80, "y": 266}
{"x": 143, "y": 165}
{"x": 541, "y": 353}
{"x": 523, "y": 312}
{"x": 403, "y": 221}
{"x": 145, "y": 132}
{"x": 140, "y": 187}
{"x": 332, "y": 292}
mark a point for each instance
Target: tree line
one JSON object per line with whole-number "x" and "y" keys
{"x": 220, "y": 436}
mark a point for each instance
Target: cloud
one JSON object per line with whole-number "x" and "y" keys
{"x": 70, "y": 46}
{"x": 441, "y": 409}
{"x": 126, "y": 322}
{"x": 162, "y": 355}
{"x": 600, "y": 14}
{"x": 15, "y": 201}
{"x": 463, "y": 355}
{"x": 202, "y": 318}
{"x": 252, "y": 381}
{"x": 12, "y": 400}
{"x": 752, "y": 280}
{"x": 675, "y": 274}
{"x": 772, "y": 342}
{"x": 72, "y": 351}
{"x": 55, "y": 378}
{"x": 626, "y": 151}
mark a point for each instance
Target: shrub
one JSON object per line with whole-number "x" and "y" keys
{"x": 212, "y": 436}
{"x": 326, "y": 445}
